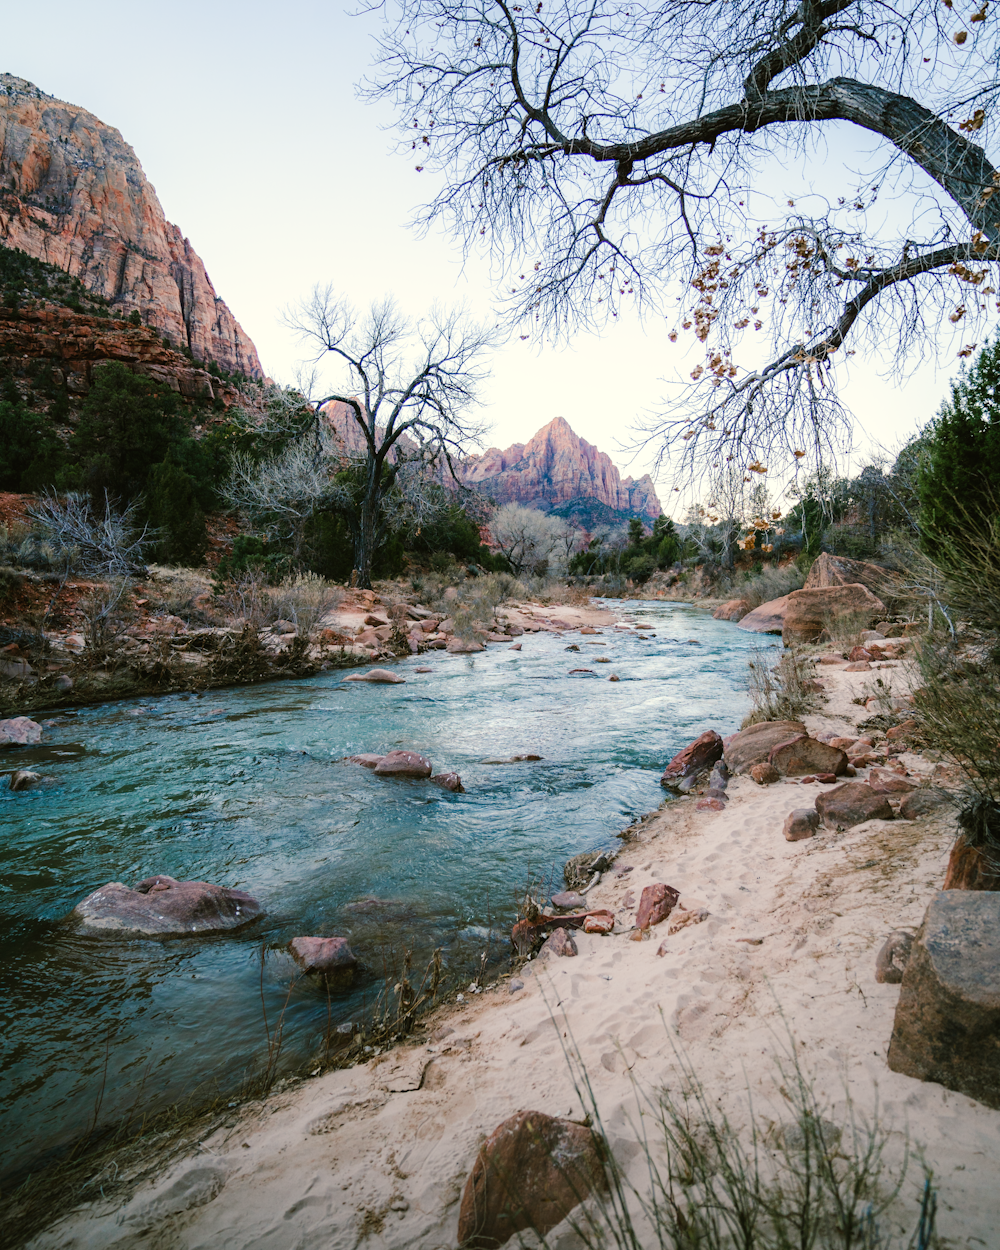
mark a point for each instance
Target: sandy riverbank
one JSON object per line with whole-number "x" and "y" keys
{"x": 378, "y": 1154}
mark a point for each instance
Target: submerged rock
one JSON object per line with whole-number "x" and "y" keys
{"x": 23, "y": 779}
{"x": 164, "y": 907}
{"x": 20, "y": 731}
{"x": 403, "y": 764}
{"x": 330, "y": 960}
{"x": 449, "y": 781}
{"x": 381, "y": 675}
{"x": 367, "y": 760}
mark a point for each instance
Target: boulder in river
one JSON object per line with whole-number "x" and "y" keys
{"x": 459, "y": 646}
{"x": 366, "y": 760}
{"x": 449, "y": 781}
{"x": 24, "y": 779}
{"x": 330, "y": 960}
{"x": 164, "y": 907}
{"x": 403, "y": 764}
{"x": 381, "y": 675}
{"x": 20, "y": 731}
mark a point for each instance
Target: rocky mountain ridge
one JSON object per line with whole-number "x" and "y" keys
{"x": 555, "y": 469}
{"x": 73, "y": 194}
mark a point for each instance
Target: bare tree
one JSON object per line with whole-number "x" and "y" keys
{"x": 609, "y": 153}
{"x": 104, "y": 543}
{"x": 409, "y": 386}
{"x": 525, "y": 536}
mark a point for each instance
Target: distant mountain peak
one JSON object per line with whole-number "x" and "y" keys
{"x": 555, "y": 468}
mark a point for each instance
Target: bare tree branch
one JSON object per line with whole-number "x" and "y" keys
{"x": 605, "y": 153}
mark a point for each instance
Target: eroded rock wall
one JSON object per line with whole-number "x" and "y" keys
{"x": 72, "y": 193}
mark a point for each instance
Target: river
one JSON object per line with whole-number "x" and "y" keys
{"x": 245, "y": 787}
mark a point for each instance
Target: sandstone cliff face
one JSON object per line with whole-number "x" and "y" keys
{"x": 72, "y": 345}
{"x": 73, "y": 193}
{"x": 556, "y": 467}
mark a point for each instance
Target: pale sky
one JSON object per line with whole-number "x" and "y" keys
{"x": 245, "y": 119}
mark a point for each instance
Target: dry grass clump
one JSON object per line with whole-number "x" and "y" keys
{"x": 782, "y": 691}
{"x": 176, "y": 590}
{"x": 770, "y": 583}
{"x": 24, "y": 546}
{"x": 108, "y": 611}
{"x": 476, "y": 610}
{"x": 809, "y": 1178}
{"x": 304, "y": 600}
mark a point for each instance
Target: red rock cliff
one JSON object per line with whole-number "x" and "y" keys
{"x": 73, "y": 193}
{"x": 556, "y": 467}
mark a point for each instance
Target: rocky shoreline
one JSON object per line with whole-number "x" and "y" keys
{"x": 778, "y": 911}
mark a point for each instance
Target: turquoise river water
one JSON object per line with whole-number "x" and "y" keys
{"x": 246, "y": 787}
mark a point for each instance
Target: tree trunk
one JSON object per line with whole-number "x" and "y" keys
{"x": 364, "y": 552}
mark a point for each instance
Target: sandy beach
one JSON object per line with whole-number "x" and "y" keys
{"x": 378, "y": 1155}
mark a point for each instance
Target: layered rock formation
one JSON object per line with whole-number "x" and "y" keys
{"x": 555, "y": 468}
{"x": 72, "y": 345}
{"x": 73, "y": 193}
{"x": 552, "y": 472}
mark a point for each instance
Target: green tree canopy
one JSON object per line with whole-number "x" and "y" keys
{"x": 958, "y": 479}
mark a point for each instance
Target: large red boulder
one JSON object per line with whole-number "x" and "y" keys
{"x": 754, "y": 745}
{"x": 947, "y": 1021}
{"x": 829, "y": 570}
{"x": 732, "y": 610}
{"x": 696, "y": 757}
{"x": 802, "y": 755}
{"x": 163, "y": 907}
{"x": 810, "y": 612}
{"x": 403, "y": 764}
{"x": 529, "y": 1174}
{"x": 851, "y": 804}
{"x": 330, "y": 960}
{"x": 655, "y": 904}
{"x": 768, "y": 618}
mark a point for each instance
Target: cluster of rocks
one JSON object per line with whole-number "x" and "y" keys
{"x": 947, "y": 1020}
{"x": 408, "y": 765}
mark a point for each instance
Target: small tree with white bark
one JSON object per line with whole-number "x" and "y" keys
{"x": 525, "y": 536}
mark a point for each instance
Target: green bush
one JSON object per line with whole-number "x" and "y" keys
{"x": 30, "y": 454}
{"x": 173, "y": 509}
{"x": 252, "y": 554}
{"x": 958, "y": 478}
{"x": 127, "y": 425}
